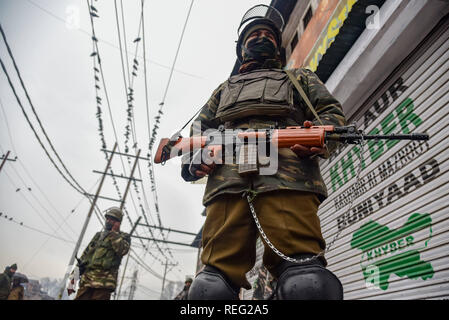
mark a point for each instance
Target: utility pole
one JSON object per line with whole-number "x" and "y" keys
{"x": 165, "y": 273}
{"x": 133, "y": 287}
{"x": 135, "y": 225}
{"x": 4, "y": 160}
{"x": 86, "y": 222}
{"x": 129, "y": 180}
{"x": 127, "y": 259}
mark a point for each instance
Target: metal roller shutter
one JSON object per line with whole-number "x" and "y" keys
{"x": 394, "y": 243}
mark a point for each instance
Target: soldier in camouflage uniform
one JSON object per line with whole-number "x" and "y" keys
{"x": 185, "y": 291}
{"x": 286, "y": 202}
{"x": 101, "y": 259}
{"x": 6, "y": 280}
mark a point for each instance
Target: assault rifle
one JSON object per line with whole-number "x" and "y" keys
{"x": 313, "y": 136}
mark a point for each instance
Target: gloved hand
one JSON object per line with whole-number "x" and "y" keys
{"x": 198, "y": 168}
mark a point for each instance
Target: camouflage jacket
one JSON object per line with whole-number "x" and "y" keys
{"x": 5, "y": 285}
{"x": 102, "y": 258}
{"x": 293, "y": 173}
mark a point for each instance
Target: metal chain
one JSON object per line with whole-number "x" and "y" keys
{"x": 250, "y": 195}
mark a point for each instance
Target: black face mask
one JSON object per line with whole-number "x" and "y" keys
{"x": 108, "y": 226}
{"x": 259, "y": 49}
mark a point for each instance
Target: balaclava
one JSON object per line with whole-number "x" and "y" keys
{"x": 260, "y": 52}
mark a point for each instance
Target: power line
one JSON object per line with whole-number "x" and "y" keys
{"x": 11, "y": 219}
{"x": 7, "y": 126}
{"x": 60, "y": 19}
{"x": 34, "y": 130}
{"x": 131, "y": 120}
{"x": 140, "y": 262}
{"x": 124, "y": 38}
{"x": 30, "y": 176}
{"x": 33, "y": 109}
{"x": 82, "y": 191}
{"x": 157, "y": 118}
{"x": 150, "y": 164}
{"x": 96, "y": 55}
{"x": 64, "y": 221}
{"x": 33, "y": 207}
{"x": 21, "y": 178}
{"x": 153, "y": 136}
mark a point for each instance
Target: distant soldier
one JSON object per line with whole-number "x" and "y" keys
{"x": 101, "y": 259}
{"x": 5, "y": 281}
{"x": 185, "y": 291}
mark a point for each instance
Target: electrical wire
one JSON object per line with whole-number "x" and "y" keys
{"x": 63, "y": 20}
{"x": 34, "y": 130}
{"x": 34, "y": 181}
{"x": 34, "y": 208}
{"x": 97, "y": 57}
{"x": 147, "y": 268}
{"x": 130, "y": 114}
{"x": 37, "y": 199}
{"x": 51, "y": 235}
{"x": 154, "y": 134}
{"x": 34, "y": 110}
{"x": 150, "y": 163}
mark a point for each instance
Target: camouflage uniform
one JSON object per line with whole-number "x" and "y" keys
{"x": 286, "y": 202}
{"x": 293, "y": 173}
{"x": 102, "y": 259}
{"x": 5, "y": 284}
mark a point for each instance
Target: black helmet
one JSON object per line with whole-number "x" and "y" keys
{"x": 259, "y": 15}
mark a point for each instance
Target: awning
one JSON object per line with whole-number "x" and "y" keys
{"x": 349, "y": 32}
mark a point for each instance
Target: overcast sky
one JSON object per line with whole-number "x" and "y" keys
{"x": 51, "y": 42}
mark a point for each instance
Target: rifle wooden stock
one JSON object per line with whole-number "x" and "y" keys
{"x": 179, "y": 147}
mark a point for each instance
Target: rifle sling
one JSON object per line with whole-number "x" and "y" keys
{"x": 303, "y": 95}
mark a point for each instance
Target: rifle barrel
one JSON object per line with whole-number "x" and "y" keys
{"x": 413, "y": 136}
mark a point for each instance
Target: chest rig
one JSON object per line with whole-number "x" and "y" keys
{"x": 258, "y": 93}
{"x": 266, "y": 92}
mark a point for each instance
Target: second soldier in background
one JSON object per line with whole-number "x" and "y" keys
{"x": 101, "y": 259}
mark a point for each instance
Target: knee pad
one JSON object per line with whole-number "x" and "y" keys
{"x": 308, "y": 281}
{"x": 211, "y": 284}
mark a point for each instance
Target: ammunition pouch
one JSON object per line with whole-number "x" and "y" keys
{"x": 104, "y": 256}
{"x": 265, "y": 92}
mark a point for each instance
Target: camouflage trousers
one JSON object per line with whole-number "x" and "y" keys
{"x": 289, "y": 219}
{"x": 88, "y": 293}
